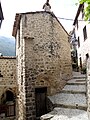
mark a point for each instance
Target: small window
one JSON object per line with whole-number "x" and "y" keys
{"x": 84, "y": 33}
{"x": 80, "y": 63}
{"x": 87, "y": 56}
{"x": 78, "y": 42}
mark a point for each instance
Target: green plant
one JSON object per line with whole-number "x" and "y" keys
{"x": 87, "y": 9}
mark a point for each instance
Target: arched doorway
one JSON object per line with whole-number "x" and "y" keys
{"x": 9, "y": 96}
{"x": 8, "y": 104}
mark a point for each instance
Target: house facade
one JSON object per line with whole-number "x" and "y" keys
{"x": 82, "y": 30}
{"x": 41, "y": 68}
{"x": 43, "y": 61}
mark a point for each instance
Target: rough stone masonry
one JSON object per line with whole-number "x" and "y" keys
{"x": 43, "y": 58}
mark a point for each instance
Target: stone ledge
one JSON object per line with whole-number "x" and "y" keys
{"x": 7, "y": 57}
{"x": 78, "y": 107}
{"x": 46, "y": 117}
{"x": 73, "y": 92}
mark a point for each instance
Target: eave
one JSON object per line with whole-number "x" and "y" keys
{"x": 78, "y": 12}
{"x": 16, "y": 24}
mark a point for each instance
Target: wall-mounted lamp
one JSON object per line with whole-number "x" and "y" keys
{"x": 1, "y": 76}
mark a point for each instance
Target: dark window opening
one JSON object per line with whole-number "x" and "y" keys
{"x": 78, "y": 42}
{"x": 87, "y": 56}
{"x": 9, "y": 96}
{"x": 84, "y": 33}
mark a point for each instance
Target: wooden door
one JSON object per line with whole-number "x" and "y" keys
{"x": 40, "y": 97}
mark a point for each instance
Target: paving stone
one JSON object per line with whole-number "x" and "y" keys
{"x": 70, "y": 103}
{"x": 77, "y": 81}
{"x": 69, "y": 99}
{"x": 66, "y": 114}
{"x": 77, "y": 88}
{"x": 78, "y": 75}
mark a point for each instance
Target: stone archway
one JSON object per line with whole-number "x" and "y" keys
{"x": 7, "y": 97}
{"x": 8, "y": 104}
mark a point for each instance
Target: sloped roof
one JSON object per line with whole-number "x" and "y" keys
{"x": 16, "y": 24}
{"x": 18, "y": 17}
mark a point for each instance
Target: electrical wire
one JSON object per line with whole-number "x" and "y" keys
{"x": 69, "y": 19}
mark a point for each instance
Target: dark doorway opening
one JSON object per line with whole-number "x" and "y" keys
{"x": 7, "y": 105}
{"x": 9, "y": 96}
{"x": 41, "y": 101}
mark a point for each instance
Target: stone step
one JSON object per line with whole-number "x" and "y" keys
{"x": 70, "y": 100}
{"x": 83, "y": 83}
{"x": 71, "y": 106}
{"x": 75, "y": 88}
{"x": 73, "y": 92}
{"x": 65, "y": 114}
{"x": 79, "y": 77}
{"x": 76, "y": 82}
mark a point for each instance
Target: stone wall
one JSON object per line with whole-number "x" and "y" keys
{"x": 8, "y": 71}
{"x": 8, "y": 83}
{"x": 44, "y": 59}
{"x": 48, "y": 50}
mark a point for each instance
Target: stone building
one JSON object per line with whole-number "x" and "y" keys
{"x": 73, "y": 45}
{"x": 82, "y": 30}
{"x": 43, "y": 61}
{"x": 8, "y": 88}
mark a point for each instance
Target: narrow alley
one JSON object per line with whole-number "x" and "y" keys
{"x": 42, "y": 45}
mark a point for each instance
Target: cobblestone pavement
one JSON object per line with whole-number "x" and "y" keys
{"x": 70, "y": 103}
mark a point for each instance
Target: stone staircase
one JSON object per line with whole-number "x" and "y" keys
{"x": 70, "y": 103}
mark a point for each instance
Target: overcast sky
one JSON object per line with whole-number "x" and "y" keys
{"x": 61, "y": 8}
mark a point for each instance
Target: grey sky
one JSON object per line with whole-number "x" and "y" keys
{"x": 61, "y": 8}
